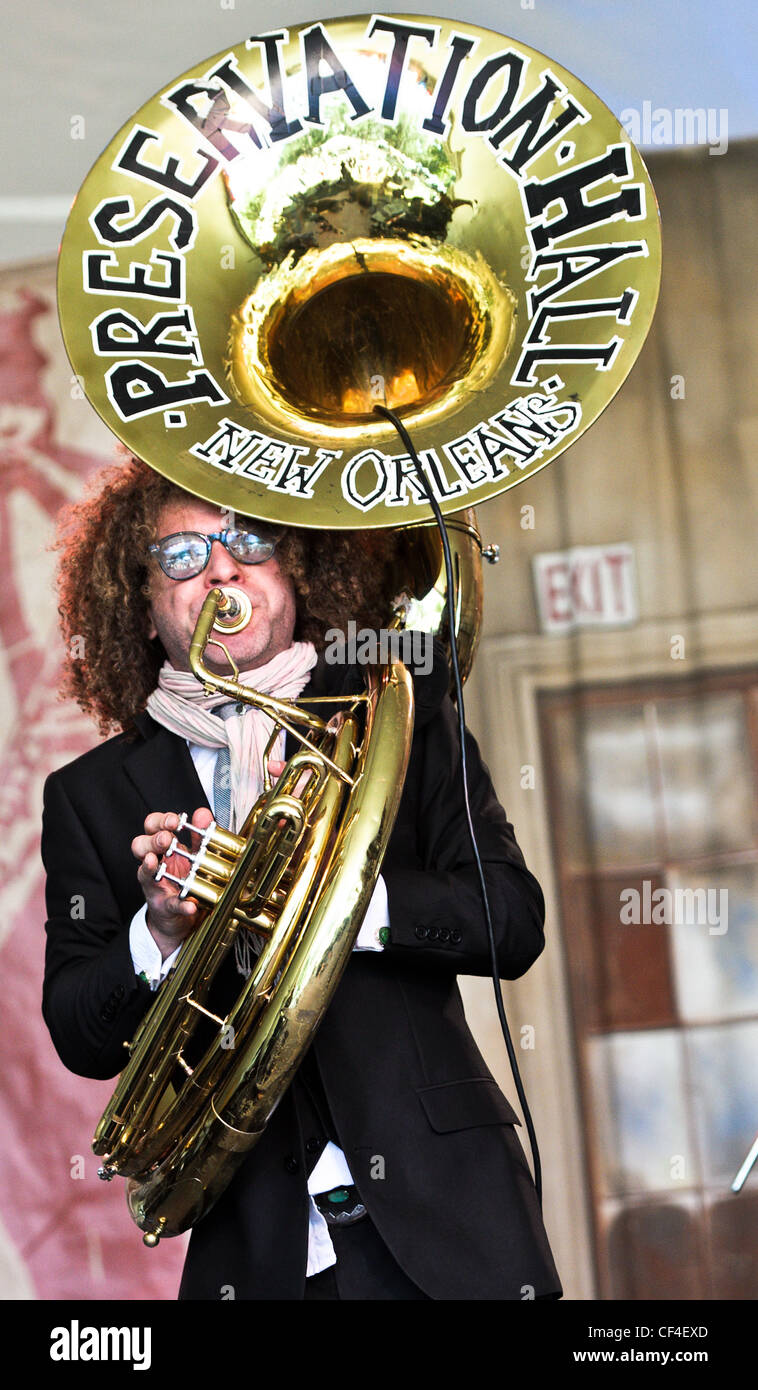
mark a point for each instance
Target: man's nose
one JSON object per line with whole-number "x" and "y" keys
{"x": 222, "y": 567}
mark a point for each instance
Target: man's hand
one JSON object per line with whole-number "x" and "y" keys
{"x": 170, "y": 919}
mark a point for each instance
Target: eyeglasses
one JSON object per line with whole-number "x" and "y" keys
{"x": 186, "y": 553}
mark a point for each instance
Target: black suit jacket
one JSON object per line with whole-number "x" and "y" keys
{"x": 428, "y": 1135}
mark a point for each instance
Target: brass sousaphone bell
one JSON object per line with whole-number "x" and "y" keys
{"x": 381, "y": 210}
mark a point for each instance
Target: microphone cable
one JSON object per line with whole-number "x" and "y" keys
{"x": 433, "y": 503}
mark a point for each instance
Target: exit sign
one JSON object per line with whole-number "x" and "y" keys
{"x": 588, "y": 586}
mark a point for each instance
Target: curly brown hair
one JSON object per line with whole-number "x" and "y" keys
{"x": 111, "y": 665}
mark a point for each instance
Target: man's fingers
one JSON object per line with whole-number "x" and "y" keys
{"x": 157, "y": 844}
{"x": 164, "y": 897}
{"x": 160, "y": 828}
{"x": 159, "y": 831}
{"x": 161, "y": 820}
{"x": 167, "y": 911}
{"x": 181, "y": 907}
{"x": 152, "y": 848}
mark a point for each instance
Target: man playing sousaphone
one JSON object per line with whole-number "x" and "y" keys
{"x": 391, "y": 1168}
{"x": 287, "y": 243}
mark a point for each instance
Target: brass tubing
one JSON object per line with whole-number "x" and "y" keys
{"x": 159, "y": 1038}
{"x": 185, "y": 1187}
{"x": 256, "y": 992}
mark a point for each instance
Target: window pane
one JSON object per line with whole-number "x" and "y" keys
{"x": 604, "y": 768}
{"x": 722, "y": 1062}
{"x": 714, "y": 934}
{"x": 733, "y": 1241}
{"x": 705, "y": 767}
{"x": 637, "y": 1082}
{"x": 618, "y": 957}
{"x": 653, "y": 1251}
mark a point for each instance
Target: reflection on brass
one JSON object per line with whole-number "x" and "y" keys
{"x": 426, "y": 606}
{"x": 234, "y": 611}
{"x": 322, "y": 341}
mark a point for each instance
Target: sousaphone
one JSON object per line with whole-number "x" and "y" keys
{"x": 397, "y": 211}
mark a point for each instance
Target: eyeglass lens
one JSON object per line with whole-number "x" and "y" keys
{"x": 186, "y": 553}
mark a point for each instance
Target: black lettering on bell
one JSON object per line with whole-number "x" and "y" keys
{"x": 227, "y": 446}
{"x": 97, "y": 281}
{"x": 576, "y": 309}
{"x": 402, "y": 33}
{"x": 478, "y": 83}
{"x": 430, "y": 459}
{"x": 118, "y": 333}
{"x": 574, "y": 266}
{"x": 273, "y": 114}
{"x": 130, "y": 161}
{"x": 317, "y": 49}
{"x": 569, "y": 189}
{"x": 459, "y": 49}
{"x": 532, "y": 115}
{"x": 180, "y": 236}
{"x": 180, "y": 99}
{"x": 405, "y": 472}
{"x": 603, "y": 353}
{"x": 136, "y": 389}
{"x": 517, "y": 431}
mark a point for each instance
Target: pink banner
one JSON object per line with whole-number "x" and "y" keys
{"x": 64, "y": 1234}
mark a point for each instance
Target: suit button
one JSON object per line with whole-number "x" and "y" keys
{"x": 109, "y": 1008}
{"x": 432, "y": 934}
{"x": 119, "y": 993}
{"x": 455, "y": 936}
{"x": 291, "y": 1164}
{"x": 421, "y": 933}
{"x": 313, "y": 1146}
{"x": 444, "y": 934}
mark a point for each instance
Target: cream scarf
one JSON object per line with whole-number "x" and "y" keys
{"x": 180, "y": 704}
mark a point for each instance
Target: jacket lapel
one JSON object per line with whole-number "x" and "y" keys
{"x": 162, "y": 770}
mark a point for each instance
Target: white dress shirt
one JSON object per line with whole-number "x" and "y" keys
{"x": 332, "y": 1168}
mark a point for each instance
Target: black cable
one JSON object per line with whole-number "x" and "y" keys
{"x": 433, "y": 503}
